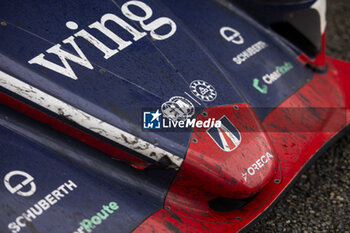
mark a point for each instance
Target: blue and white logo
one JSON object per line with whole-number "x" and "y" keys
{"x": 203, "y": 90}
{"x": 152, "y": 120}
{"x": 227, "y": 137}
{"x": 178, "y": 108}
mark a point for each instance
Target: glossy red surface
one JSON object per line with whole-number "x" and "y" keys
{"x": 295, "y": 136}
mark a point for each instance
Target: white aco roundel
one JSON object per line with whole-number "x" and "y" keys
{"x": 203, "y": 90}
{"x": 28, "y": 180}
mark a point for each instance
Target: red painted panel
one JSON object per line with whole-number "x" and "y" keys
{"x": 293, "y": 136}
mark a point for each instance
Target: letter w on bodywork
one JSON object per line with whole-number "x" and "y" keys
{"x": 64, "y": 56}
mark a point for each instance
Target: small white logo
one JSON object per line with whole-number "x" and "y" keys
{"x": 178, "y": 108}
{"x": 203, "y": 90}
{"x": 232, "y": 35}
{"x": 16, "y": 189}
{"x": 244, "y": 176}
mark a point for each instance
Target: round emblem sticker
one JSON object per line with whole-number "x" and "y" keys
{"x": 178, "y": 108}
{"x": 203, "y": 90}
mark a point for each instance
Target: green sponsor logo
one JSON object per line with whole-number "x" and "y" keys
{"x": 89, "y": 224}
{"x": 269, "y": 79}
{"x": 262, "y": 89}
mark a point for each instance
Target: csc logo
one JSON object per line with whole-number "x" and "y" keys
{"x": 28, "y": 180}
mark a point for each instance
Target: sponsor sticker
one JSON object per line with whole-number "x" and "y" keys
{"x": 249, "y": 52}
{"x": 89, "y": 224}
{"x": 137, "y": 11}
{"x": 234, "y": 36}
{"x": 178, "y": 108}
{"x": 18, "y": 188}
{"x": 178, "y": 111}
{"x": 259, "y": 163}
{"x": 231, "y": 35}
{"x": 41, "y": 206}
{"x": 272, "y": 77}
{"x": 227, "y": 136}
{"x": 203, "y": 90}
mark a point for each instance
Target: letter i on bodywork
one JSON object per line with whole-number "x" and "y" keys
{"x": 122, "y": 44}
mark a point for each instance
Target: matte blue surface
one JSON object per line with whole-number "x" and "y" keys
{"x": 52, "y": 159}
{"x": 147, "y": 73}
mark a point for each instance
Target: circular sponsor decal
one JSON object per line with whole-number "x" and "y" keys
{"x": 178, "y": 108}
{"x": 203, "y": 90}
{"x": 232, "y": 35}
{"x": 19, "y": 187}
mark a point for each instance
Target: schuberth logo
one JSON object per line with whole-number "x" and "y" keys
{"x": 231, "y": 35}
{"x": 41, "y": 206}
{"x": 29, "y": 180}
{"x": 82, "y": 60}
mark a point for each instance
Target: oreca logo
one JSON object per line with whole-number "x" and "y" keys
{"x": 28, "y": 180}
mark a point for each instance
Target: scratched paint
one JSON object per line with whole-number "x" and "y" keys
{"x": 86, "y": 120}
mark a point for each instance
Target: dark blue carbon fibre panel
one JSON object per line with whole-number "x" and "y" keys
{"x": 53, "y": 159}
{"x": 148, "y": 72}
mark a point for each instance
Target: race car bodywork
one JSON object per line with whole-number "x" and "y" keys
{"x": 151, "y": 116}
